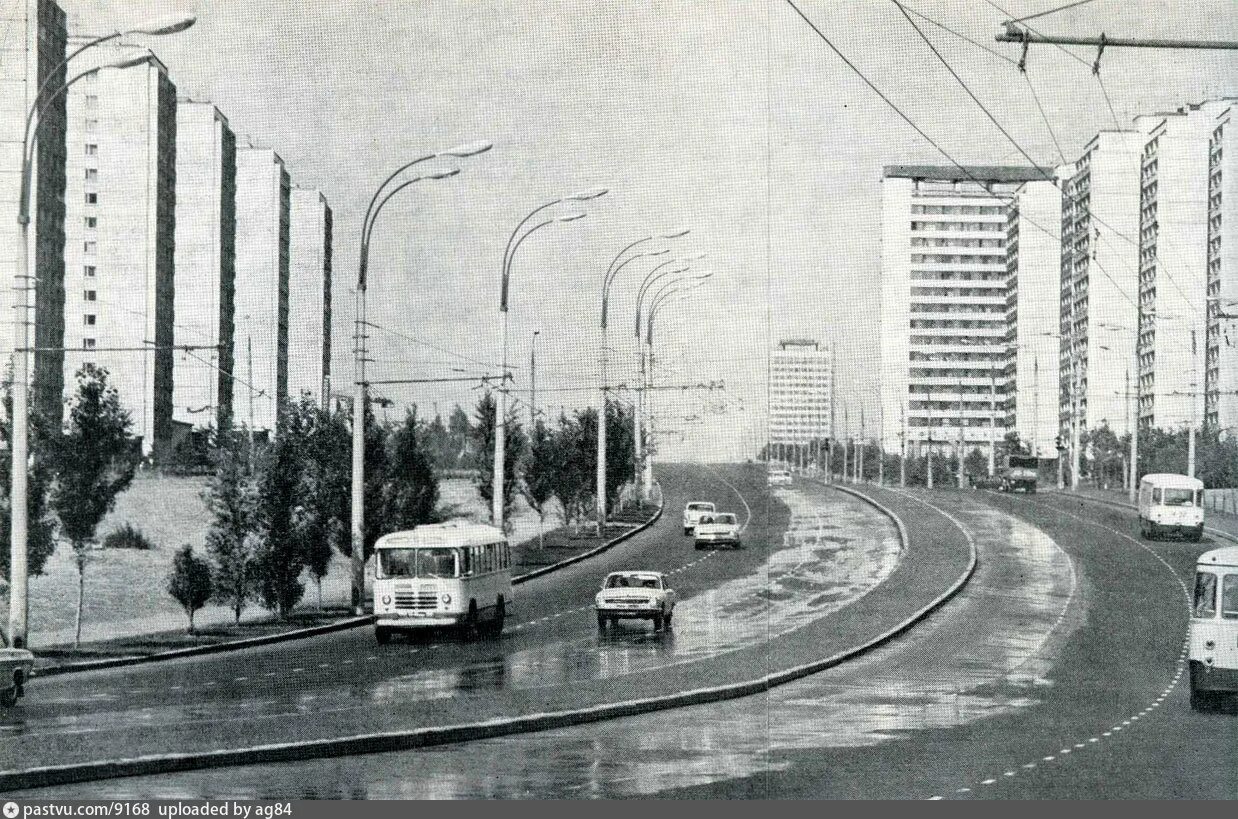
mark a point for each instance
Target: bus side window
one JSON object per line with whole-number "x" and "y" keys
{"x": 488, "y": 550}
{"x": 466, "y": 561}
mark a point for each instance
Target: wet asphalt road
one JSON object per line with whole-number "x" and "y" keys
{"x": 1054, "y": 674}
{"x": 344, "y": 684}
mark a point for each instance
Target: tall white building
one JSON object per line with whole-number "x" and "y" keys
{"x": 1221, "y": 362}
{"x": 263, "y": 192}
{"x": 1100, "y": 284}
{"x": 1033, "y": 264}
{"x": 205, "y": 265}
{"x": 119, "y": 237}
{"x": 309, "y": 307}
{"x": 944, "y": 307}
{"x": 32, "y": 46}
{"x": 800, "y": 394}
{"x": 1173, "y": 266}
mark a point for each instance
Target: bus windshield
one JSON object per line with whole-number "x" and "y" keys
{"x": 1205, "y": 595}
{"x": 418, "y": 563}
{"x": 1178, "y": 497}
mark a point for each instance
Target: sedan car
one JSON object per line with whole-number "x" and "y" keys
{"x": 635, "y": 595}
{"x": 16, "y": 665}
{"x": 719, "y": 529}
{"x": 692, "y": 513}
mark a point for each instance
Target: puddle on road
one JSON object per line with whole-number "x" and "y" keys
{"x": 990, "y": 651}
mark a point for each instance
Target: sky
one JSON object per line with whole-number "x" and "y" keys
{"x": 731, "y": 119}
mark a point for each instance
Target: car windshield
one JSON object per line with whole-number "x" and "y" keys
{"x": 417, "y": 563}
{"x": 1178, "y": 497}
{"x": 700, "y": 507}
{"x": 632, "y": 581}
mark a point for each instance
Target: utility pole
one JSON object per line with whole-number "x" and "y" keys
{"x": 1036, "y": 406}
{"x": 1074, "y": 433}
{"x": 961, "y": 444}
{"x": 992, "y": 424}
{"x": 1132, "y": 483}
{"x": 249, "y": 369}
{"x": 846, "y": 448}
{"x": 829, "y": 472}
{"x": 929, "y": 450}
{"x": 881, "y": 450}
{"x": 533, "y": 382}
{"x": 1194, "y": 399}
{"x": 902, "y": 448}
{"x": 859, "y": 455}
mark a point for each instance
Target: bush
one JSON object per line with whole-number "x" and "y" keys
{"x": 189, "y": 582}
{"x": 127, "y": 536}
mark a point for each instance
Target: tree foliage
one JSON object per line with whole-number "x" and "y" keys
{"x": 189, "y": 582}
{"x": 231, "y": 540}
{"x": 41, "y": 523}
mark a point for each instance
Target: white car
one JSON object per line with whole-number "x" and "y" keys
{"x": 692, "y": 513}
{"x": 718, "y": 529}
{"x": 779, "y": 478}
{"x": 16, "y": 665}
{"x": 635, "y": 595}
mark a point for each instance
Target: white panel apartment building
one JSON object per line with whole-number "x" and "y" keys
{"x": 1221, "y": 363}
{"x": 31, "y": 47}
{"x": 1100, "y": 284}
{"x": 309, "y": 308}
{"x": 119, "y": 237}
{"x": 944, "y": 304}
{"x": 800, "y": 394}
{"x": 1173, "y": 266}
{"x": 205, "y": 264}
{"x": 1033, "y": 259}
{"x": 263, "y": 191}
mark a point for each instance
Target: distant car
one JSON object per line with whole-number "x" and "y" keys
{"x": 635, "y": 595}
{"x": 16, "y": 665}
{"x": 780, "y": 478}
{"x": 692, "y": 513}
{"x": 719, "y": 529}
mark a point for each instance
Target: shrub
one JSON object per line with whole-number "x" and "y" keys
{"x": 127, "y": 536}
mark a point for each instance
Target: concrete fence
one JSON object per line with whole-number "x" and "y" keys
{"x": 1224, "y": 501}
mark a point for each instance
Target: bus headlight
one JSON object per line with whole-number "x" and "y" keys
{"x": 386, "y": 600}
{"x": 446, "y": 598}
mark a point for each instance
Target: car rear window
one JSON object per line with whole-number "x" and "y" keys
{"x": 701, "y": 507}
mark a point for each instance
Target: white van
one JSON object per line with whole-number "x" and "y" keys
{"x": 1171, "y": 504}
{"x": 442, "y": 574}
{"x": 1214, "y": 627}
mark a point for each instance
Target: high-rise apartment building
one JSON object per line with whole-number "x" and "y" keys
{"x": 1221, "y": 362}
{"x": 32, "y": 48}
{"x": 263, "y": 204}
{"x": 1100, "y": 284}
{"x": 1033, "y": 265}
{"x": 205, "y": 265}
{"x": 309, "y": 307}
{"x": 1173, "y": 265}
{"x": 944, "y": 281}
{"x": 800, "y": 394}
{"x": 119, "y": 237}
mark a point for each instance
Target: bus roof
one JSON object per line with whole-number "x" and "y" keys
{"x": 1173, "y": 480}
{"x": 451, "y": 533}
{"x": 1225, "y": 556}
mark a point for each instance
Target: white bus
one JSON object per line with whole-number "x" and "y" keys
{"x": 455, "y": 574}
{"x": 1214, "y": 627}
{"x": 1171, "y": 504}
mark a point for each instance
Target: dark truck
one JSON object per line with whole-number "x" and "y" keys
{"x": 1020, "y": 472}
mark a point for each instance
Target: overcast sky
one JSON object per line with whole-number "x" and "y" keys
{"x": 732, "y": 119}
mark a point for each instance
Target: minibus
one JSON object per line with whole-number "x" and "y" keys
{"x": 1171, "y": 505}
{"x": 455, "y": 574}
{"x": 1214, "y": 628}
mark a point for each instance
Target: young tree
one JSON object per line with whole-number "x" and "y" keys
{"x": 94, "y": 462}
{"x": 189, "y": 582}
{"x": 458, "y": 431}
{"x": 41, "y": 534}
{"x": 543, "y": 462}
{"x": 282, "y": 523}
{"x": 620, "y": 445}
{"x": 514, "y": 447}
{"x": 574, "y": 481}
{"x": 411, "y": 492}
{"x": 230, "y": 541}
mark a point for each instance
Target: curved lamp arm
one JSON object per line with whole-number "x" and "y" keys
{"x": 510, "y": 250}
{"x": 664, "y": 297}
{"x": 655, "y": 276}
{"x": 504, "y": 288}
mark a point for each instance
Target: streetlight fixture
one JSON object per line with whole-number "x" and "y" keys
{"x": 360, "y": 385}
{"x": 509, "y": 253}
{"x": 19, "y": 495}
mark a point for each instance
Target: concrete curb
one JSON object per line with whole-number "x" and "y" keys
{"x": 217, "y": 648}
{"x": 1221, "y": 533}
{"x": 429, "y": 737}
{"x": 313, "y": 631}
{"x": 562, "y": 564}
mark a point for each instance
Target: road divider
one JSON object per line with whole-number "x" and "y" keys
{"x": 411, "y": 739}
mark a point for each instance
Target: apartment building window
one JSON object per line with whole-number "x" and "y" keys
{"x": 92, "y": 174}
{"x": 92, "y": 198}
{"x": 90, "y": 295}
{"x": 92, "y": 149}
{"x": 88, "y": 344}
{"x": 90, "y": 247}
{"x": 92, "y": 101}
{"x": 89, "y": 319}
{"x": 92, "y": 222}
{"x": 89, "y": 271}
{"x": 92, "y": 125}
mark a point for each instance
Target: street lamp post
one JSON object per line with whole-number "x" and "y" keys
{"x": 533, "y": 381}
{"x": 360, "y": 385}
{"x": 500, "y": 418}
{"x": 19, "y": 481}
